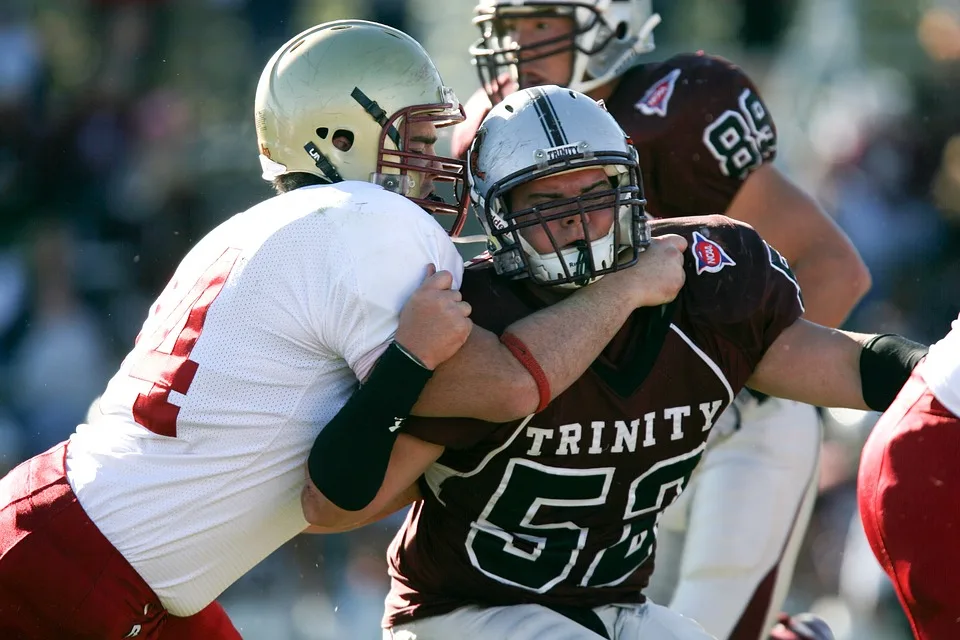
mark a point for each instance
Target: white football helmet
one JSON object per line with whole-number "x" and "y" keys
{"x": 608, "y": 39}
{"x": 333, "y": 102}
{"x": 540, "y": 132}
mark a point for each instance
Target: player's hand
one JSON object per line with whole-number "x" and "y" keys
{"x": 434, "y": 323}
{"x": 658, "y": 275}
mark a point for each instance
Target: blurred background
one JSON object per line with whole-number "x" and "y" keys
{"x": 126, "y": 133}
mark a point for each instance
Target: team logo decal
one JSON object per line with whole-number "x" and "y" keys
{"x": 657, "y": 98}
{"x": 709, "y": 255}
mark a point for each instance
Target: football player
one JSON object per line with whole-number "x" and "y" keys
{"x": 706, "y": 143}
{"x": 907, "y": 490}
{"x": 191, "y": 468}
{"x": 545, "y": 527}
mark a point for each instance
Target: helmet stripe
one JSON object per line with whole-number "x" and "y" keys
{"x": 548, "y": 117}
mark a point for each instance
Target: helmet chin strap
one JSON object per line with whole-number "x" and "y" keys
{"x": 645, "y": 31}
{"x": 583, "y": 261}
{"x": 556, "y": 262}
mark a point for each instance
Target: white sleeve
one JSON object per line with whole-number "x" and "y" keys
{"x": 387, "y": 262}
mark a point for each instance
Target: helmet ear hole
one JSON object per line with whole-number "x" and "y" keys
{"x": 322, "y": 132}
{"x": 343, "y": 139}
{"x": 621, "y": 31}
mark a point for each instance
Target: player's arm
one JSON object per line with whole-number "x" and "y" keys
{"x": 476, "y": 108}
{"x": 349, "y": 459}
{"x": 832, "y": 368}
{"x": 831, "y": 273}
{"x": 411, "y": 495}
{"x": 409, "y": 460}
{"x": 486, "y": 380}
{"x": 794, "y": 358}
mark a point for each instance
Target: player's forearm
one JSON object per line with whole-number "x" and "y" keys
{"x": 833, "y": 368}
{"x": 832, "y": 282}
{"x": 813, "y": 364}
{"x": 485, "y": 380}
{"x": 409, "y": 459}
{"x": 567, "y": 337}
{"x": 339, "y": 521}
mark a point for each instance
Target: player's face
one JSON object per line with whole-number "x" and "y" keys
{"x": 423, "y": 138}
{"x": 539, "y": 36}
{"x": 571, "y": 229}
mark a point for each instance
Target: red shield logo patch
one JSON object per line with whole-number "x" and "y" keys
{"x": 657, "y": 98}
{"x": 709, "y": 255}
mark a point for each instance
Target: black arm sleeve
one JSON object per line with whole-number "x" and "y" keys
{"x": 349, "y": 458}
{"x": 886, "y": 362}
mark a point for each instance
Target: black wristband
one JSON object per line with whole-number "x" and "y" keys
{"x": 886, "y": 362}
{"x": 349, "y": 457}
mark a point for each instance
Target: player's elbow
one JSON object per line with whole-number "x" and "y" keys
{"x": 850, "y": 276}
{"x": 522, "y": 400}
{"x": 319, "y": 511}
{"x": 859, "y": 277}
{"x": 835, "y": 276}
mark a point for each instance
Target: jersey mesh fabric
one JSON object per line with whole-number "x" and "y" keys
{"x": 317, "y": 281}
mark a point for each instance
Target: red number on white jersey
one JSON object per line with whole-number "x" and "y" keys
{"x": 174, "y": 370}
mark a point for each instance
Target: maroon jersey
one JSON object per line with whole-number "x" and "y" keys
{"x": 562, "y": 508}
{"x": 697, "y": 122}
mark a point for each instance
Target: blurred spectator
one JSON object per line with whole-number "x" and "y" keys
{"x": 61, "y": 362}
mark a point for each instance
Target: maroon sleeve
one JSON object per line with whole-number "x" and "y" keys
{"x": 700, "y": 127}
{"x": 783, "y": 301}
{"x": 737, "y": 286}
{"x": 768, "y": 290}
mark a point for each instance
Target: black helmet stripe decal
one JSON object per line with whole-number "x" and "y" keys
{"x": 548, "y": 117}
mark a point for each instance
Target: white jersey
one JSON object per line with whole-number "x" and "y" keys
{"x": 941, "y": 369}
{"x": 194, "y": 467}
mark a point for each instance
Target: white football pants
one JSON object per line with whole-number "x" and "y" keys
{"x": 726, "y": 548}
{"x": 646, "y": 621}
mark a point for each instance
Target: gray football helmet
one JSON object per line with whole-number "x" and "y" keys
{"x": 540, "y": 132}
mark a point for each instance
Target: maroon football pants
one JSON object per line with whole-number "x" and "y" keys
{"x": 909, "y": 494}
{"x": 61, "y": 578}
